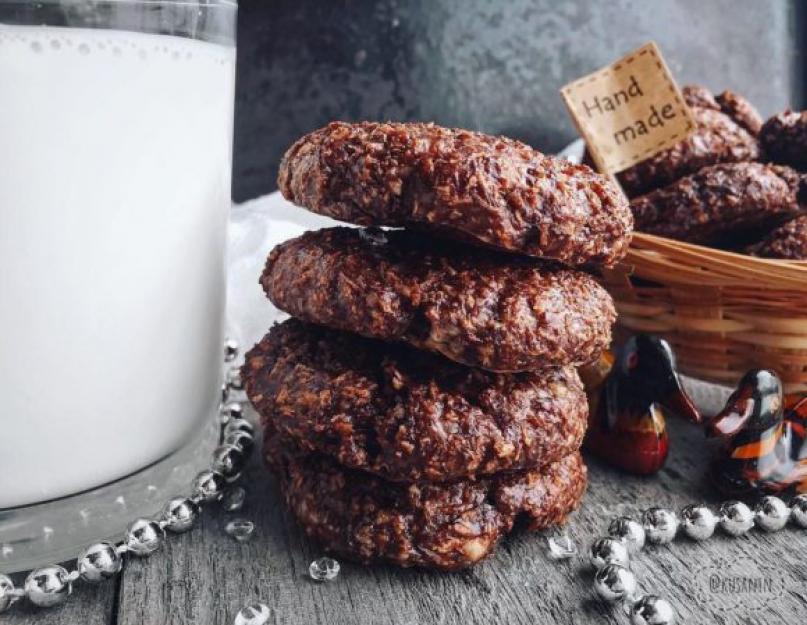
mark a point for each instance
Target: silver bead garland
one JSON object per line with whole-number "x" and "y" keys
{"x": 736, "y": 518}
{"x": 605, "y": 551}
{"x": 798, "y": 510}
{"x": 228, "y": 460}
{"x": 660, "y": 525}
{"x": 629, "y": 532}
{"x": 698, "y": 521}
{"x": 613, "y": 580}
{"x": 771, "y": 513}
{"x": 7, "y": 596}
{"x": 48, "y": 586}
{"x": 51, "y": 585}
{"x": 180, "y": 514}
{"x": 208, "y": 486}
{"x": 99, "y": 562}
{"x": 144, "y": 537}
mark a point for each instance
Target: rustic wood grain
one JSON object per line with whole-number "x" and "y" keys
{"x": 88, "y": 605}
{"x": 205, "y": 577}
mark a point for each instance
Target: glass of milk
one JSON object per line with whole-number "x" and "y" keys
{"x": 116, "y": 123}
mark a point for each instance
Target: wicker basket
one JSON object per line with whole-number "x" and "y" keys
{"x": 724, "y": 313}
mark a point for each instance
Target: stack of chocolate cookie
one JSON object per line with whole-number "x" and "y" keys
{"x": 425, "y": 395}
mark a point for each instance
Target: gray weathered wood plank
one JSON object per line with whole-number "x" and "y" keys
{"x": 205, "y": 577}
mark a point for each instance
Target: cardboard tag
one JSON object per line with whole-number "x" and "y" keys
{"x": 630, "y": 110}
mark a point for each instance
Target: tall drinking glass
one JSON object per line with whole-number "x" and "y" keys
{"x": 115, "y": 161}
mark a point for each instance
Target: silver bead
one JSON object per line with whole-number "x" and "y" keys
{"x": 771, "y": 513}
{"x": 240, "y": 529}
{"x": 629, "y": 532}
{"x": 233, "y": 410}
{"x": 239, "y": 424}
{"x": 561, "y": 546}
{"x": 798, "y": 510}
{"x": 255, "y": 614}
{"x": 736, "y": 518}
{"x": 209, "y": 485}
{"x": 144, "y": 537}
{"x": 230, "y": 350}
{"x": 180, "y": 514}
{"x": 48, "y": 586}
{"x": 698, "y": 521}
{"x": 652, "y": 610}
{"x": 228, "y": 460}
{"x": 7, "y": 596}
{"x": 233, "y": 499}
{"x": 660, "y": 525}
{"x": 324, "y": 569}
{"x": 234, "y": 379}
{"x": 614, "y": 582}
{"x": 99, "y": 562}
{"x": 606, "y": 551}
{"x": 241, "y": 440}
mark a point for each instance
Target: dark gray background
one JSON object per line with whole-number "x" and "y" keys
{"x": 491, "y": 65}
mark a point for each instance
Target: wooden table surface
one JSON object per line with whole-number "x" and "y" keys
{"x": 204, "y": 577}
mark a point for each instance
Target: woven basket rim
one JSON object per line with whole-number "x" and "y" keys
{"x": 679, "y": 263}
{"x": 724, "y": 313}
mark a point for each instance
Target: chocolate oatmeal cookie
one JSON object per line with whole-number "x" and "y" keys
{"x": 717, "y": 139}
{"x": 409, "y": 415}
{"x": 440, "y": 526}
{"x": 722, "y": 205}
{"x": 474, "y": 306}
{"x": 784, "y": 139}
{"x": 732, "y": 104}
{"x": 489, "y": 190}
{"x": 788, "y": 242}
{"x": 698, "y": 95}
{"x": 740, "y": 110}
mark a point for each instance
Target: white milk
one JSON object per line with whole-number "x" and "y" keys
{"x": 115, "y": 158}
